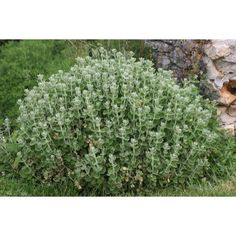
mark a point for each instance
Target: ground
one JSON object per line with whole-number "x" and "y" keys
{"x": 12, "y": 187}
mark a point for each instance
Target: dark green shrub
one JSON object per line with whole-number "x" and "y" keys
{"x": 140, "y": 49}
{"x": 114, "y": 126}
{"x": 21, "y": 62}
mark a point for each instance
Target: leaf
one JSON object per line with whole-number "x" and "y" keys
{"x": 12, "y": 147}
{"x": 16, "y": 162}
{"x": 25, "y": 172}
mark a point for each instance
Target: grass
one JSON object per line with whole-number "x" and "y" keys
{"x": 223, "y": 189}
{"x": 16, "y": 187}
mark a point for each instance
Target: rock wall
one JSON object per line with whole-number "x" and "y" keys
{"x": 183, "y": 57}
{"x": 216, "y": 58}
{"x": 220, "y": 60}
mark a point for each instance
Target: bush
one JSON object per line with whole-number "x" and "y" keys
{"x": 21, "y": 62}
{"x": 114, "y": 126}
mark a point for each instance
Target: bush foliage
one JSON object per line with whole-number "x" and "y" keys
{"x": 115, "y": 126}
{"x": 21, "y": 62}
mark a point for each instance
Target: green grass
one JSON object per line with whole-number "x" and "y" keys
{"x": 227, "y": 189}
{"x": 20, "y": 63}
{"x": 16, "y": 187}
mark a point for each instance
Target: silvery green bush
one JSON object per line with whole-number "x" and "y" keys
{"x": 115, "y": 126}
